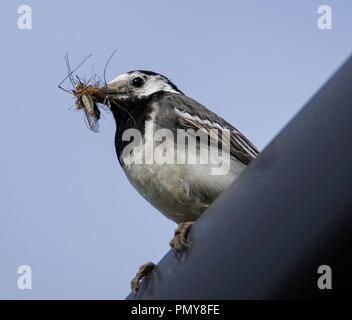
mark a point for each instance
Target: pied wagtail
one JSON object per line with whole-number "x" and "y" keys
{"x": 182, "y": 192}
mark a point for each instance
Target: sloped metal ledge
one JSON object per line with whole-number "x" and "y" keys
{"x": 288, "y": 213}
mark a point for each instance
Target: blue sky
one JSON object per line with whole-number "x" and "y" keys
{"x": 67, "y": 209}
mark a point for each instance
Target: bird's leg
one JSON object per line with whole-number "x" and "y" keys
{"x": 179, "y": 241}
{"x": 143, "y": 272}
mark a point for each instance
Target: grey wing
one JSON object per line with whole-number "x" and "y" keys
{"x": 191, "y": 114}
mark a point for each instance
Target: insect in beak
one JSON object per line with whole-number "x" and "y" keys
{"x": 91, "y": 96}
{"x": 87, "y": 95}
{"x": 92, "y": 112}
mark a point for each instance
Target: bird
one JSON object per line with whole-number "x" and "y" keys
{"x": 147, "y": 101}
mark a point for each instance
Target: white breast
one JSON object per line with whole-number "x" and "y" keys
{"x": 180, "y": 192}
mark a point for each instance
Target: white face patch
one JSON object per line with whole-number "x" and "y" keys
{"x": 152, "y": 84}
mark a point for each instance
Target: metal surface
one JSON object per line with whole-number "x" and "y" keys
{"x": 287, "y": 214}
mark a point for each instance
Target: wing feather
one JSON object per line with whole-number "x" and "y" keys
{"x": 193, "y": 115}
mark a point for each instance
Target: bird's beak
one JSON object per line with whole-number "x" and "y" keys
{"x": 115, "y": 93}
{"x": 118, "y": 86}
{"x": 110, "y": 94}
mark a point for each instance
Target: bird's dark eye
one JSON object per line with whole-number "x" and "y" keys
{"x": 137, "y": 82}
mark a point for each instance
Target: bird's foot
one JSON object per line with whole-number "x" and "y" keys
{"x": 179, "y": 242}
{"x": 143, "y": 272}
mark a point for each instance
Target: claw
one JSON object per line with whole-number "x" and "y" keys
{"x": 143, "y": 272}
{"x": 179, "y": 242}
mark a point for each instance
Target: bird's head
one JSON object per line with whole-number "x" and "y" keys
{"x": 139, "y": 84}
{"x": 124, "y": 95}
